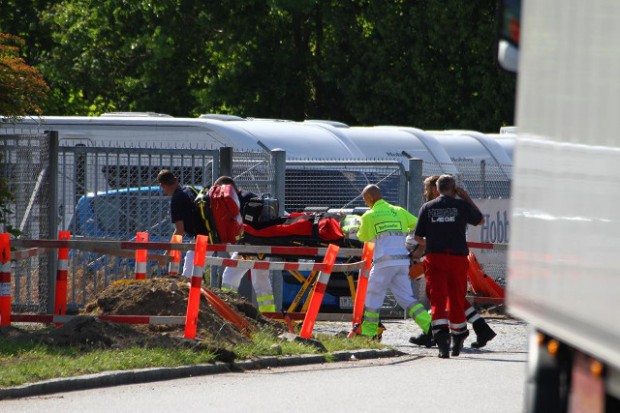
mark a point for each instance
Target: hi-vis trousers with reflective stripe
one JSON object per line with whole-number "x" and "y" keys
{"x": 447, "y": 278}
{"x": 231, "y": 279}
{"x": 396, "y": 278}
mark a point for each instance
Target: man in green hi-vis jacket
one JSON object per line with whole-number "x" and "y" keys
{"x": 387, "y": 226}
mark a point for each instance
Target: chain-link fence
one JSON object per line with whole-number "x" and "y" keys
{"x": 29, "y": 175}
{"x": 485, "y": 180}
{"x": 254, "y": 171}
{"x": 339, "y": 184}
{"x": 112, "y": 193}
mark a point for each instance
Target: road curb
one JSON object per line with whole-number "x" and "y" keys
{"x": 117, "y": 378}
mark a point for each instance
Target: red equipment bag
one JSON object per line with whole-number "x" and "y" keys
{"x": 312, "y": 226}
{"x": 225, "y": 209}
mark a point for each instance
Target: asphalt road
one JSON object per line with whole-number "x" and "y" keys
{"x": 486, "y": 380}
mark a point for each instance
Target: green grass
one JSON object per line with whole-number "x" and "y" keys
{"x": 23, "y": 361}
{"x": 27, "y": 362}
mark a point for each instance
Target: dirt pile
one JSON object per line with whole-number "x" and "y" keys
{"x": 163, "y": 297}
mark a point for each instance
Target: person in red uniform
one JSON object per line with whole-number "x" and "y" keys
{"x": 484, "y": 333}
{"x": 441, "y": 230}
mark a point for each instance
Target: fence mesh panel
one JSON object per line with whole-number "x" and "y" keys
{"x": 339, "y": 184}
{"x": 25, "y": 165}
{"x": 112, "y": 193}
{"x": 253, "y": 171}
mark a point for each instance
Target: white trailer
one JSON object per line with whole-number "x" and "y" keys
{"x": 564, "y": 276}
{"x": 300, "y": 140}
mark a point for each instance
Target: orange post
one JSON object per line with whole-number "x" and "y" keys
{"x": 141, "y": 256}
{"x": 193, "y": 302}
{"x": 60, "y": 300}
{"x": 175, "y": 264}
{"x": 5, "y": 280}
{"x": 319, "y": 292}
{"x": 362, "y": 284}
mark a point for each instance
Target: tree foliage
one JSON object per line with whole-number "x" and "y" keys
{"x": 22, "y": 87}
{"x": 424, "y": 63}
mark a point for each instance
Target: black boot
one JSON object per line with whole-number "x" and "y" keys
{"x": 442, "y": 338}
{"x": 484, "y": 333}
{"x": 422, "y": 339}
{"x": 457, "y": 343}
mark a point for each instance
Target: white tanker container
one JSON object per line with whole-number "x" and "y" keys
{"x": 304, "y": 141}
{"x": 402, "y": 143}
{"x": 506, "y": 140}
{"x": 484, "y": 167}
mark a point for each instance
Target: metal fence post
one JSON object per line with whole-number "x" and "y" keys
{"x": 215, "y": 170}
{"x": 53, "y": 211}
{"x": 278, "y": 157}
{"x": 483, "y": 181}
{"x": 226, "y": 161}
{"x": 415, "y": 194}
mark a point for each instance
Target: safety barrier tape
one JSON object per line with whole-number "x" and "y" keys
{"x": 282, "y": 266}
{"x": 487, "y": 246}
{"x": 131, "y": 245}
{"x": 125, "y": 319}
{"x": 110, "y": 247}
{"x": 486, "y": 300}
{"x": 28, "y": 253}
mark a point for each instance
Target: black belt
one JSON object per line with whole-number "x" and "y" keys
{"x": 458, "y": 254}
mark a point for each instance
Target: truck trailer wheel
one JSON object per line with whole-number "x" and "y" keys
{"x": 549, "y": 374}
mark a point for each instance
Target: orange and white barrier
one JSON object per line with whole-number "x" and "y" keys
{"x": 193, "y": 302}
{"x": 282, "y": 266}
{"x": 124, "y": 319}
{"x": 175, "y": 265}
{"x": 319, "y": 291}
{"x": 362, "y": 284}
{"x": 132, "y": 245}
{"x": 5, "y": 280}
{"x": 487, "y": 246}
{"x": 29, "y": 253}
{"x": 141, "y": 237}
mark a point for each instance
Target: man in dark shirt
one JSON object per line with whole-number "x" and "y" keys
{"x": 441, "y": 231}
{"x": 484, "y": 333}
{"x": 181, "y": 212}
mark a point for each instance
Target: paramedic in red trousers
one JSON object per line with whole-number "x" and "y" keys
{"x": 440, "y": 230}
{"x": 387, "y": 225}
{"x": 181, "y": 212}
{"x": 231, "y": 278}
{"x": 484, "y": 333}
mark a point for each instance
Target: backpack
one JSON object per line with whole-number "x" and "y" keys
{"x": 226, "y": 213}
{"x": 202, "y": 214}
{"x": 260, "y": 209}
